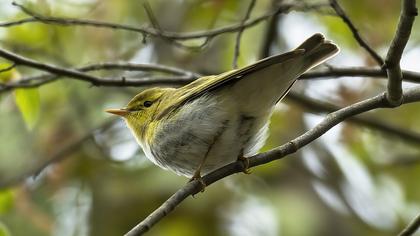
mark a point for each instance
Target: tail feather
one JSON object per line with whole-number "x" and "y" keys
{"x": 317, "y": 50}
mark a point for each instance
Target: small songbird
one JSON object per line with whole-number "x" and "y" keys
{"x": 217, "y": 119}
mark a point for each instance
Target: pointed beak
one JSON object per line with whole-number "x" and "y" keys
{"x": 119, "y": 112}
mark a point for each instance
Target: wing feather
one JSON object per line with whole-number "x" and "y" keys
{"x": 207, "y": 84}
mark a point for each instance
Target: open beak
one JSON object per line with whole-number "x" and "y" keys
{"x": 119, "y": 112}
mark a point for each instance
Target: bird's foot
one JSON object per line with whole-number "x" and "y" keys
{"x": 245, "y": 161}
{"x": 198, "y": 177}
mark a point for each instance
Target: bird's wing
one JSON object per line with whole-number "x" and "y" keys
{"x": 313, "y": 51}
{"x": 211, "y": 83}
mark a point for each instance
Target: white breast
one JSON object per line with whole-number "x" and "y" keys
{"x": 206, "y": 126}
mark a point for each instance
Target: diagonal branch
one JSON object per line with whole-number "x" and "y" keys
{"x": 332, "y": 119}
{"x": 35, "y": 81}
{"x": 20, "y": 60}
{"x": 412, "y": 227}
{"x": 309, "y": 103}
{"x": 8, "y": 68}
{"x": 409, "y": 76}
{"x": 392, "y": 61}
{"x": 342, "y": 14}
{"x": 322, "y": 107}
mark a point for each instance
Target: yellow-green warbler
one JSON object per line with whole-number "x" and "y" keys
{"x": 217, "y": 119}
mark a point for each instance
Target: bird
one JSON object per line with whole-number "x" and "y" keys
{"x": 218, "y": 119}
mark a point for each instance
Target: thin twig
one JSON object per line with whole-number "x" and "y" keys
{"x": 20, "y": 60}
{"x": 155, "y": 24}
{"x": 182, "y": 76}
{"x": 342, "y": 14}
{"x": 127, "y": 66}
{"x": 37, "y": 18}
{"x": 412, "y": 227}
{"x": 13, "y": 65}
{"x": 143, "y": 30}
{"x": 239, "y": 35}
{"x": 393, "y": 58}
{"x": 332, "y": 119}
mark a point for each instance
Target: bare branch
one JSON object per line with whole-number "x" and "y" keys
{"x": 35, "y": 81}
{"x": 332, "y": 119}
{"x": 143, "y": 30}
{"x": 37, "y": 18}
{"x": 412, "y": 227}
{"x": 322, "y": 107}
{"x": 8, "y": 68}
{"x": 19, "y": 22}
{"x": 342, "y": 14}
{"x": 181, "y": 78}
{"x": 155, "y": 24}
{"x": 309, "y": 103}
{"x": 20, "y": 60}
{"x": 239, "y": 35}
{"x": 409, "y": 76}
{"x": 392, "y": 61}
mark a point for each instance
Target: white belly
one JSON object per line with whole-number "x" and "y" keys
{"x": 207, "y": 128}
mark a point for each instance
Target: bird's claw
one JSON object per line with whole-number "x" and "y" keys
{"x": 200, "y": 180}
{"x": 245, "y": 162}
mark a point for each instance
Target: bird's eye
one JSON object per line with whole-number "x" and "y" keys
{"x": 147, "y": 103}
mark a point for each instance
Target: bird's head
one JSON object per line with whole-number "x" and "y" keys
{"x": 139, "y": 112}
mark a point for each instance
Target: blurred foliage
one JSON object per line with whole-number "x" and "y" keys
{"x": 352, "y": 181}
{"x": 27, "y": 101}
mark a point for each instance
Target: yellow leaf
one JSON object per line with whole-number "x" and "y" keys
{"x": 6, "y": 201}
{"x": 28, "y": 102}
{"x": 8, "y": 75}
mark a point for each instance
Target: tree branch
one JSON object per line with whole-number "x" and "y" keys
{"x": 8, "y": 68}
{"x": 370, "y": 122}
{"x": 342, "y": 14}
{"x": 186, "y": 76}
{"x": 35, "y": 81}
{"x": 412, "y": 227}
{"x": 37, "y": 18}
{"x": 409, "y": 76}
{"x": 20, "y": 60}
{"x": 182, "y": 76}
{"x": 332, "y": 119}
{"x": 392, "y": 61}
{"x": 239, "y": 35}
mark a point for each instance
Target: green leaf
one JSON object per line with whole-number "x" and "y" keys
{"x": 4, "y": 231}
{"x": 6, "y": 201}
{"x": 28, "y": 102}
{"x": 7, "y": 75}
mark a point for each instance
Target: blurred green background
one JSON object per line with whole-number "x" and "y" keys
{"x": 351, "y": 181}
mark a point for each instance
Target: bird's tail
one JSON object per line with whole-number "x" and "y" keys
{"x": 317, "y": 50}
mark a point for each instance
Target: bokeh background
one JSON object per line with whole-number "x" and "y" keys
{"x": 352, "y": 181}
